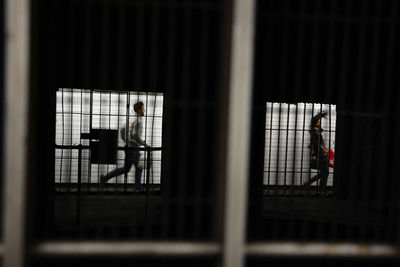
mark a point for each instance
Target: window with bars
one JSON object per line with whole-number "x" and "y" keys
{"x": 79, "y": 112}
{"x": 287, "y": 157}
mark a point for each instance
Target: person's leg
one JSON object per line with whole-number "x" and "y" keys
{"x": 314, "y": 178}
{"x": 324, "y": 173}
{"x": 122, "y": 170}
{"x": 138, "y": 171}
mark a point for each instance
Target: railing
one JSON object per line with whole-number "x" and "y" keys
{"x": 81, "y": 147}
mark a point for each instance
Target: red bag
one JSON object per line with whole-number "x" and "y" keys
{"x": 331, "y": 158}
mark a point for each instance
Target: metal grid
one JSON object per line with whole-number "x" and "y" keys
{"x": 78, "y": 112}
{"x": 287, "y": 146}
{"x": 232, "y": 252}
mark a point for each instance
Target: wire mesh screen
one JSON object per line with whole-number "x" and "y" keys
{"x": 287, "y": 144}
{"x": 80, "y": 111}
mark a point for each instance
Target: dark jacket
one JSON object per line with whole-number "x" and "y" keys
{"x": 317, "y": 145}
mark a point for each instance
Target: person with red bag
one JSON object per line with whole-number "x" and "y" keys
{"x": 320, "y": 155}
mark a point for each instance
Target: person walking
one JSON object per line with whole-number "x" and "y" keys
{"x": 134, "y": 140}
{"x": 319, "y": 154}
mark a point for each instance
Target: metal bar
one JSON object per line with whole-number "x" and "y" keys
{"x": 368, "y": 105}
{"x": 392, "y": 231}
{"x": 16, "y": 131}
{"x": 238, "y": 133}
{"x": 184, "y": 118}
{"x": 169, "y": 118}
{"x": 154, "y": 79}
{"x": 294, "y": 148}
{"x": 122, "y": 21}
{"x": 128, "y": 101}
{"x": 118, "y": 122}
{"x": 309, "y": 154}
{"x": 302, "y": 146}
{"x": 270, "y": 148}
{"x": 386, "y": 128}
{"x": 90, "y": 131}
{"x": 200, "y": 148}
{"x": 315, "y": 49}
{"x": 321, "y": 250}
{"x": 355, "y": 131}
{"x": 286, "y": 149}
{"x": 62, "y": 138}
{"x": 78, "y": 200}
{"x": 123, "y": 249}
{"x": 278, "y": 146}
{"x": 71, "y": 128}
{"x": 146, "y": 217}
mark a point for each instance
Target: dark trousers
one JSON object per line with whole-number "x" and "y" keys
{"x": 131, "y": 158}
{"x": 323, "y": 172}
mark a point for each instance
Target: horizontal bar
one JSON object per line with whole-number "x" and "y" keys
{"x": 177, "y": 249}
{"x": 115, "y": 249}
{"x": 118, "y": 148}
{"x": 322, "y": 250}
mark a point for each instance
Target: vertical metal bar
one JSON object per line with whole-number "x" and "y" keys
{"x": 315, "y": 49}
{"x": 16, "y": 130}
{"x": 90, "y": 131}
{"x": 155, "y": 32}
{"x": 166, "y": 186}
{"x": 62, "y": 139}
{"x": 344, "y": 67}
{"x": 71, "y": 132}
{"x": 87, "y": 70}
{"x": 302, "y": 144}
{"x": 392, "y": 41}
{"x": 309, "y": 154}
{"x": 291, "y": 225}
{"x": 78, "y": 200}
{"x": 284, "y": 49}
{"x": 145, "y": 158}
{"x": 386, "y": 130}
{"x": 152, "y": 136}
{"x": 286, "y": 150}
{"x": 366, "y": 171}
{"x": 118, "y": 127}
{"x": 100, "y": 116}
{"x": 294, "y": 150}
{"x": 80, "y": 122}
{"x": 241, "y": 74}
{"x": 200, "y": 147}
{"x": 303, "y": 228}
{"x": 109, "y": 125}
{"x": 270, "y": 148}
{"x": 127, "y": 126}
{"x": 277, "y": 151}
{"x": 146, "y": 217}
{"x": 357, "y": 105}
{"x": 138, "y": 73}
{"x": 188, "y": 20}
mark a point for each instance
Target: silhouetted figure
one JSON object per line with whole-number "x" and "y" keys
{"x": 319, "y": 153}
{"x": 133, "y": 140}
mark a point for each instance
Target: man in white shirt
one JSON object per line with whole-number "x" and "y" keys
{"x": 133, "y": 139}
